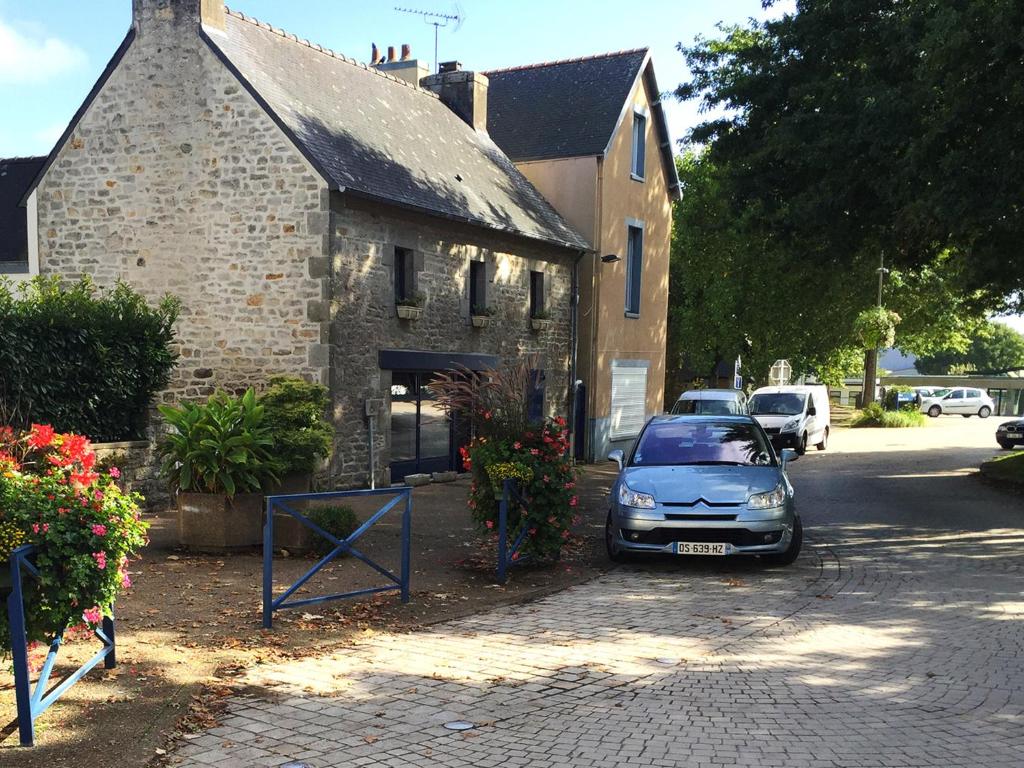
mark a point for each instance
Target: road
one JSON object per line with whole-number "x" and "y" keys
{"x": 895, "y": 640}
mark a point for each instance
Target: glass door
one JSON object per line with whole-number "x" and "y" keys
{"x": 421, "y": 433}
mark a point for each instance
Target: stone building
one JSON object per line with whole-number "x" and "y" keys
{"x": 292, "y": 197}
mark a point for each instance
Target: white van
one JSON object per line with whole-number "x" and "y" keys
{"x": 793, "y": 417}
{"x": 714, "y": 402}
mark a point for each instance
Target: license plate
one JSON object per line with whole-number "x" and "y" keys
{"x": 1014, "y": 435}
{"x": 699, "y": 548}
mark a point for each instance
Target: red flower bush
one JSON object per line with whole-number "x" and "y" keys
{"x": 85, "y": 529}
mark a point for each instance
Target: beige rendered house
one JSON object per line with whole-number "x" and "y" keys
{"x": 590, "y": 134}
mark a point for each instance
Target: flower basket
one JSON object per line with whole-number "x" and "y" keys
{"x": 480, "y": 321}
{"x": 408, "y": 312}
{"x": 540, "y": 323}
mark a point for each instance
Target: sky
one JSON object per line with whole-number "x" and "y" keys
{"x": 52, "y": 51}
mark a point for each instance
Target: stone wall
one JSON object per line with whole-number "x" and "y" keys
{"x": 364, "y": 320}
{"x": 176, "y": 181}
{"x": 139, "y": 465}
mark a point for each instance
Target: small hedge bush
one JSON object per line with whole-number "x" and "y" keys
{"x": 85, "y": 360}
{"x": 874, "y": 416}
{"x": 338, "y": 520}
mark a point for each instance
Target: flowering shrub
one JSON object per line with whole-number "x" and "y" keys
{"x": 546, "y": 480}
{"x": 84, "y": 527}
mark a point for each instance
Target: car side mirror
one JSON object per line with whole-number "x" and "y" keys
{"x": 812, "y": 411}
{"x": 618, "y": 457}
{"x": 787, "y": 455}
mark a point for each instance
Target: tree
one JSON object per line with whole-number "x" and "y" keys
{"x": 857, "y": 127}
{"x": 997, "y": 349}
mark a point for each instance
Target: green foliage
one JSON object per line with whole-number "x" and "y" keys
{"x": 414, "y": 299}
{"x": 995, "y": 349}
{"x": 84, "y": 528}
{"x": 874, "y": 416}
{"x": 876, "y": 328}
{"x": 1007, "y": 469}
{"x": 844, "y": 363}
{"x": 340, "y": 521}
{"x": 853, "y": 128}
{"x": 222, "y": 446}
{"x": 479, "y": 310}
{"x": 84, "y": 360}
{"x": 294, "y": 414}
{"x": 892, "y": 393}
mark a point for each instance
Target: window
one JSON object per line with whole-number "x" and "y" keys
{"x": 634, "y": 269}
{"x": 639, "y": 145}
{"x": 629, "y": 399}
{"x": 535, "y": 396}
{"x": 477, "y": 287}
{"x": 405, "y": 284}
{"x": 957, "y": 394}
{"x": 537, "y": 308}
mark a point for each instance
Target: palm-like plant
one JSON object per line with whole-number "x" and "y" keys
{"x": 221, "y": 446}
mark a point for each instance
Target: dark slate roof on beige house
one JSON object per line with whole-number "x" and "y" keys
{"x": 571, "y": 108}
{"x": 377, "y": 137}
{"x": 16, "y": 176}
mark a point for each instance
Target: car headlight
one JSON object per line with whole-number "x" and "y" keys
{"x": 790, "y": 425}
{"x": 630, "y": 498}
{"x": 773, "y": 498}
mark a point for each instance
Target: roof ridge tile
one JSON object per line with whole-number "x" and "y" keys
{"x": 328, "y": 51}
{"x": 574, "y": 60}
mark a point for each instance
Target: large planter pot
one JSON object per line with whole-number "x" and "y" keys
{"x": 289, "y": 533}
{"x": 406, "y": 312}
{"x": 215, "y": 522}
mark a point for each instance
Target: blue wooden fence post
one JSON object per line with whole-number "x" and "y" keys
{"x": 110, "y": 660}
{"x": 19, "y": 652}
{"x": 406, "y": 545}
{"x": 268, "y": 567}
{"x": 503, "y": 531}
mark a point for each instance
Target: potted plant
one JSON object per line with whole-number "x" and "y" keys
{"x": 540, "y": 320}
{"x": 217, "y": 457}
{"x": 481, "y": 316}
{"x": 84, "y": 529}
{"x": 410, "y": 307}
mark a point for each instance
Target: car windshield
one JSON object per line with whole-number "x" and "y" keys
{"x": 940, "y": 392}
{"x": 684, "y": 443}
{"x": 706, "y": 407}
{"x": 776, "y": 404}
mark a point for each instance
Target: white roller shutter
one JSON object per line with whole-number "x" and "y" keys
{"x": 629, "y": 400}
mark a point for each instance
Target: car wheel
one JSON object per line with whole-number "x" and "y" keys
{"x": 985, "y": 412}
{"x": 614, "y": 553}
{"x": 792, "y": 551}
{"x": 801, "y": 447}
{"x": 1005, "y": 445}
{"x": 934, "y": 411}
{"x": 824, "y": 440}
{"x": 966, "y": 415}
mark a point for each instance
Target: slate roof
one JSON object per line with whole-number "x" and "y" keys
{"x": 16, "y": 176}
{"x": 560, "y": 109}
{"x": 571, "y": 108}
{"x": 375, "y": 136}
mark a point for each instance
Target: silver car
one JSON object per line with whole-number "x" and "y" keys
{"x": 703, "y": 485}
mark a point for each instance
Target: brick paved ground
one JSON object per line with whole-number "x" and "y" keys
{"x": 885, "y": 645}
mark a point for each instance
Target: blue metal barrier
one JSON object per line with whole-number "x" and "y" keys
{"x": 32, "y": 703}
{"x": 509, "y": 555}
{"x": 341, "y": 546}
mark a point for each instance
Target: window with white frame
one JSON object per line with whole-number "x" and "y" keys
{"x": 629, "y": 398}
{"x": 639, "y": 145}
{"x": 634, "y": 267}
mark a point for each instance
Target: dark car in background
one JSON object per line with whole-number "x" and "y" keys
{"x": 1010, "y": 434}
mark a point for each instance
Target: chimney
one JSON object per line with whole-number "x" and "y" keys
{"x": 148, "y": 15}
{"x": 465, "y": 93}
{"x": 408, "y": 69}
{"x": 374, "y": 53}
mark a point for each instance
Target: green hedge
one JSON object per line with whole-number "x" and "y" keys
{"x": 81, "y": 359}
{"x": 874, "y": 416}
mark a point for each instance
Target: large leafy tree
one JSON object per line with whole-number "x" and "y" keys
{"x": 996, "y": 349}
{"x": 860, "y": 127}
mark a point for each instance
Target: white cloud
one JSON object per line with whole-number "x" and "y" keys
{"x": 25, "y": 59}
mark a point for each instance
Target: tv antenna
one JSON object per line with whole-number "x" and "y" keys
{"x": 438, "y": 20}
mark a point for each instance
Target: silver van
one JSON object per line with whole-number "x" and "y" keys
{"x": 711, "y": 402}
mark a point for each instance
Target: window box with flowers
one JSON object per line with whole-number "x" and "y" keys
{"x": 410, "y": 307}
{"x": 83, "y": 527}
{"x": 480, "y": 316}
{"x": 540, "y": 320}
{"x": 217, "y": 457}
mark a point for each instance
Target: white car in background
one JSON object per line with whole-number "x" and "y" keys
{"x": 966, "y": 401}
